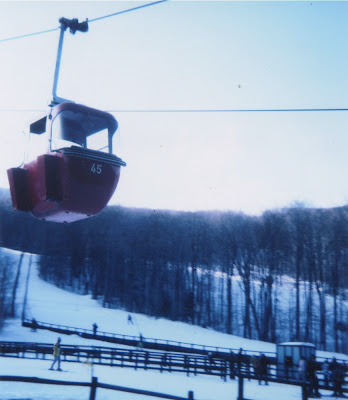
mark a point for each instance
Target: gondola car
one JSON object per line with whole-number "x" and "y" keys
{"x": 72, "y": 182}
{"x": 79, "y": 173}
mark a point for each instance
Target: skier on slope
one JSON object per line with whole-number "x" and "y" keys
{"x": 57, "y": 351}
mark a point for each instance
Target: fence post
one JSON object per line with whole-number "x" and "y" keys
{"x": 304, "y": 391}
{"x": 187, "y": 365}
{"x": 94, "y": 385}
{"x": 240, "y": 387}
{"x": 190, "y": 395}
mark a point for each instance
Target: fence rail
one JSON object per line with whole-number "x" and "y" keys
{"x": 120, "y": 357}
{"x": 150, "y": 343}
{"x": 129, "y": 340}
{"x": 171, "y": 362}
{"x": 155, "y": 360}
{"x": 94, "y": 384}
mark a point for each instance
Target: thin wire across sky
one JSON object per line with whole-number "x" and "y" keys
{"x": 226, "y": 110}
{"x": 201, "y": 110}
{"x": 89, "y": 21}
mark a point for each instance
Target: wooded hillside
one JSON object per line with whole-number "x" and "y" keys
{"x": 277, "y": 277}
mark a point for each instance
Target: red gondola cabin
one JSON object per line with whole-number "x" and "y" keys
{"x": 78, "y": 175}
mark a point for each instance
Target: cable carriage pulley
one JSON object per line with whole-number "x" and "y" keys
{"x": 71, "y": 181}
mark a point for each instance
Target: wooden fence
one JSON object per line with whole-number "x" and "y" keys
{"x": 152, "y": 343}
{"x": 195, "y": 364}
{"x": 153, "y": 360}
{"x": 129, "y": 340}
{"x": 94, "y": 385}
{"x": 122, "y": 357}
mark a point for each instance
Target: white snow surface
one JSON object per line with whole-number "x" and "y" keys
{"x": 50, "y": 304}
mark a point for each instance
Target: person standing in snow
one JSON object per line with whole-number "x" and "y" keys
{"x": 231, "y": 361}
{"x": 326, "y": 372}
{"x": 312, "y": 367}
{"x": 140, "y": 344}
{"x": 255, "y": 362}
{"x": 57, "y": 351}
{"x": 239, "y": 358}
{"x": 95, "y": 327}
{"x": 337, "y": 376}
{"x": 211, "y": 358}
{"x": 33, "y": 325}
{"x": 263, "y": 369}
{"x": 302, "y": 369}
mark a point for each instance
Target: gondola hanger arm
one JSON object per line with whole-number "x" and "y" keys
{"x": 75, "y": 26}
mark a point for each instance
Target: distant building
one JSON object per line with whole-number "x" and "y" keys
{"x": 289, "y": 355}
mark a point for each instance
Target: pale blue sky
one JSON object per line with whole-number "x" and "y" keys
{"x": 194, "y": 55}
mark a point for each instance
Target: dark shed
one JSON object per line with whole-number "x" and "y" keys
{"x": 289, "y": 355}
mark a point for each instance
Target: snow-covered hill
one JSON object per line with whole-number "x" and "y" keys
{"x": 47, "y": 303}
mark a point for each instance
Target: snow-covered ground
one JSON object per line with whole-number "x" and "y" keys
{"x": 47, "y": 303}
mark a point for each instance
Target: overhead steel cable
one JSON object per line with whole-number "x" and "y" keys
{"x": 231, "y": 110}
{"x": 128, "y": 10}
{"x": 89, "y": 21}
{"x": 28, "y": 35}
{"x": 200, "y": 110}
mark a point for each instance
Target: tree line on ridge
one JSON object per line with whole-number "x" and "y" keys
{"x": 276, "y": 277}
